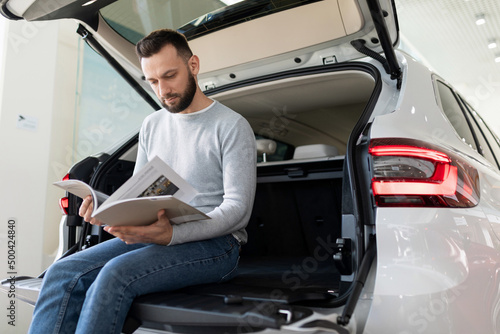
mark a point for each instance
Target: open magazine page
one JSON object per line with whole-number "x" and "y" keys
{"x": 156, "y": 178}
{"x": 156, "y": 186}
{"x": 82, "y": 190}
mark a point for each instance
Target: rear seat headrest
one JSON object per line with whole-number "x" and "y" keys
{"x": 315, "y": 151}
{"x": 265, "y": 146}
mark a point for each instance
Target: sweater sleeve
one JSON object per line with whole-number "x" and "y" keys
{"x": 141, "y": 159}
{"x": 239, "y": 180}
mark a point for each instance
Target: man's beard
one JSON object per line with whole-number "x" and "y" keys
{"x": 185, "y": 98}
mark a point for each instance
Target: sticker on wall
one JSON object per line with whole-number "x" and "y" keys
{"x": 27, "y": 122}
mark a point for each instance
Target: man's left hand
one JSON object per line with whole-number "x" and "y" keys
{"x": 160, "y": 232}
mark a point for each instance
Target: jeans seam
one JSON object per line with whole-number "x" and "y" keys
{"x": 117, "y": 309}
{"x": 234, "y": 269}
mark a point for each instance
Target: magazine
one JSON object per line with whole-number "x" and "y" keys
{"x": 137, "y": 202}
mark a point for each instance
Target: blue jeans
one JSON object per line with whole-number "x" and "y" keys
{"x": 91, "y": 291}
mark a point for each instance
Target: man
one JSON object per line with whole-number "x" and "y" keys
{"x": 213, "y": 149}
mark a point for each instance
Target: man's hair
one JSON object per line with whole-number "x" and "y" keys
{"x": 156, "y": 40}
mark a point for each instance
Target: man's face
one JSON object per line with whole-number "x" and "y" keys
{"x": 171, "y": 79}
{"x": 178, "y": 102}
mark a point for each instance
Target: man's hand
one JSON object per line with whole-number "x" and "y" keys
{"x": 160, "y": 232}
{"x": 86, "y": 210}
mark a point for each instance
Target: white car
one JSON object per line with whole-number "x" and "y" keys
{"x": 378, "y": 199}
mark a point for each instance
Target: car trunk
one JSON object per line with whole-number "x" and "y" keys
{"x": 298, "y": 211}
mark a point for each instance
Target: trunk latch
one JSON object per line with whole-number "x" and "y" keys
{"x": 343, "y": 256}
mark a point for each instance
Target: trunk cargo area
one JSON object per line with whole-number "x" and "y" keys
{"x": 286, "y": 264}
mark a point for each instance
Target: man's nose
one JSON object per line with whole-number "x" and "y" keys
{"x": 164, "y": 88}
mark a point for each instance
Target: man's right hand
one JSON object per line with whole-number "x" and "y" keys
{"x": 86, "y": 210}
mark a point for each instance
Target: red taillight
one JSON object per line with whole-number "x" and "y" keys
{"x": 412, "y": 173}
{"x": 64, "y": 204}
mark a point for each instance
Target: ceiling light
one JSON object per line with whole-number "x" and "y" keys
{"x": 88, "y": 3}
{"x": 492, "y": 43}
{"x": 480, "y": 19}
{"x": 231, "y": 2}
{"x": 497, "y": 58}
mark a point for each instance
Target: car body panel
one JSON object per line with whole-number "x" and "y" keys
{"x": 438, "y": 268}
{"x": 254, "y": 40}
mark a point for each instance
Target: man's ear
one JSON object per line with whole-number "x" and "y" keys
{"x": 194, "y": 64}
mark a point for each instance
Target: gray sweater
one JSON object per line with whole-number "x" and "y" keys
{"x": 214, "y": 151}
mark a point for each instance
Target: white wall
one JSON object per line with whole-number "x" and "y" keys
{"x": 3, "y": 30}
{"x": 38, "y": 68}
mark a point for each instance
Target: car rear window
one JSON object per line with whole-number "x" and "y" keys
{"x": 451, "y": 108}
{"x": 133, "y": 19}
